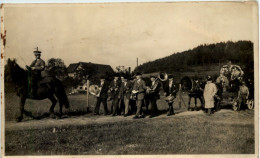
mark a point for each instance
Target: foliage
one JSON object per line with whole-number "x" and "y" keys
{"x": 85, "y": 72}
{"x": 56, "y": 67}
{"x": 123, "y": 71}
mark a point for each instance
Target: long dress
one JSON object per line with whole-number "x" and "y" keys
{"x": 209, "y": 92}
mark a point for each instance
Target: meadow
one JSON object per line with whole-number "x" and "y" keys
{"x": 81, "y": 132}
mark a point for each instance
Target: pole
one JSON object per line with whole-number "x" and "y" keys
{"x": 87, "y": 95}
{"x": 137, "y": 62}
{"x": 180, "y": 95}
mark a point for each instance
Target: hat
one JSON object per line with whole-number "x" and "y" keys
{"x": 102, "y": 77}
{"x": 116, "y": 75}
{"x": 170, "y": 76}
{"x": 138, "y": 74}
{"x": 37, "y": 52}
{"x": 209, "y": 78}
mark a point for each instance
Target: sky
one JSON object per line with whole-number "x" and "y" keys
{"x": 119, "y": 33}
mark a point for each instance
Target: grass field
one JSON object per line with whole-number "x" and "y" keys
{"x": 225, "y": 132}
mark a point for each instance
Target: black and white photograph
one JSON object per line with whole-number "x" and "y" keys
{"x": 126, "y": 79}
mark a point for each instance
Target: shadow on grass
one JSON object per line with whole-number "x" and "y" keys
{"x": 57, "y": 115}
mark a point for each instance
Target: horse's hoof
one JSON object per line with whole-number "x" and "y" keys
{"x": 19, "y": 119}
{"x": 52, "y": 116}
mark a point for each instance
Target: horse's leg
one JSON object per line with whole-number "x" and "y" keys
{"x": 54, "y": 102}
{"x": 201, "y": 102}
{"x": 189, "y": 102}
{"x": 60, "y": 110}
{"x": 195, "y": 99}
{"x": 22, "y": 103}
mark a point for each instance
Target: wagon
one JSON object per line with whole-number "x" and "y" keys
{"x": 228, "y": 89}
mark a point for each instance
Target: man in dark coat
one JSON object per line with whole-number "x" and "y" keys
{"x": 139, "y": 89}
{"x": 154, "y": 94}
{"x": 35, "y": 69}
{"x": 125, "y": 93}
{"x": 102, "y": 96}
{"x": 114, "y": 89}
{"x": 170, "y": 91}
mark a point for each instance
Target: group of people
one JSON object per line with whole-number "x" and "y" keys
{"x": 129, "y": 95}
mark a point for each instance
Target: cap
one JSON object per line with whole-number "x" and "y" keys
{"x": 37, "y": 52}
{"x": 102, "y": 77}
{"x": 116, "y": 75}
{"x": 138, "y": 74}
{"x": 170, "y": 76}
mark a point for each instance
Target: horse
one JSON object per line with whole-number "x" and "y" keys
{"x": 194, "y": 89}
{"x": 20, "y": 77}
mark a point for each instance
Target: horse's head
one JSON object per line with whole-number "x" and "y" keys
{"x": 13, "y": 72}
{"x": 186, "y": 83}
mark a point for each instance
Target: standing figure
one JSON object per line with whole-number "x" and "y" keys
{"x": 170, "y": 91}
{"x": 121, "y": 109}
{"x": 209, "y": 93}
{"x": 243, "y": 94}
{"x": 125, "y": 93}
{"x": 102, "y": 96}
{"x": 139, "y": 89}
{"x": 198, "y": 88}
{"x": 153, "y": 94}
{"x": 132, "y": 100}
{"x": 114, "y": 89}
{"x": 35, "y": 69}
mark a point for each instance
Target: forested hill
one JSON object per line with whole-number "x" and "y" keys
{"x": 240, "y": 52}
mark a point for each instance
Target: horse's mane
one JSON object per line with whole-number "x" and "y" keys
{"x": 186, "y": 83}
{"x": 15, "y": 72}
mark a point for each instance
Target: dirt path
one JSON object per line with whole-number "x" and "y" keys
{"x": 90, "y": 119}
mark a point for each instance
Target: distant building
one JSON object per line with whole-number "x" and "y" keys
{"x": 100, "y": 70}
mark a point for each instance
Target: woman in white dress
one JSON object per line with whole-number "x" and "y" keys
{"x": 209, "y": 93}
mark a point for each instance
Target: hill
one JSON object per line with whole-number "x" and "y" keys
{"x": 204, "y": 60}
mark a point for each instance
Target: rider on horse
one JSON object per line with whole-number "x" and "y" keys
{"x": 37, "y": 66}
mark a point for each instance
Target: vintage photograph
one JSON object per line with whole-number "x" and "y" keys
{"x": 164, "y": 78}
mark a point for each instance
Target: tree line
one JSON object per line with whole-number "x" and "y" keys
{"x": 240, "y": 52}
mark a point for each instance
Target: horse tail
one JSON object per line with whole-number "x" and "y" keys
{"x": 61, "y": 94}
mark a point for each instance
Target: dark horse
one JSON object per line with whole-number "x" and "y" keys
{"x": 15, "y": 74}
{"x": 194, "y": 89}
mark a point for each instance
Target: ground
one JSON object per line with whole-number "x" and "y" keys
{"x": 187, "y": 132}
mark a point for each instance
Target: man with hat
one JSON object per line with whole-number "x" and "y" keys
{"x": 153, "y": 95}
{"x": 114, "y": 89}
{"x": 209, "y": 93}
{"x": 198, "y": 89}
{"x": 139, "y": 89}
{"x": 132, "y": 100}
{"x": 243, "y": 93}
{"x": 102, "y": 96}
{"x": 170, "y": 91}
{"x": 125, "y": 93}
{"x": 36, "y": 67}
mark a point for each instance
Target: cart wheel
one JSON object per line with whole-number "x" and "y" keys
{"x": 250, "y": 104}
{"x": 236, "y": 105}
